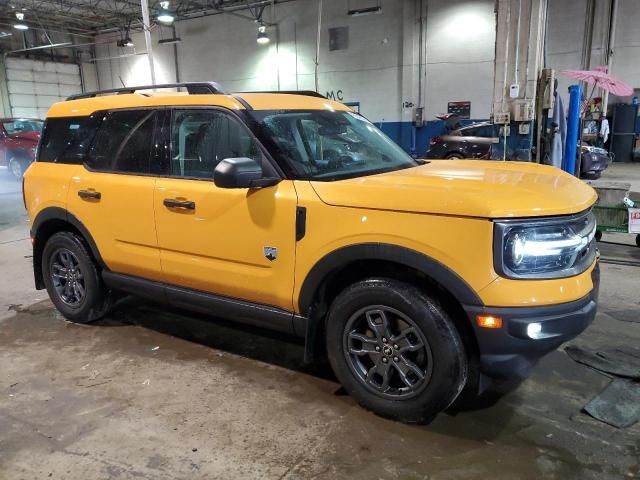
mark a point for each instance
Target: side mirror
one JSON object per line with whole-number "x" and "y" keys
{"x": 240, "y": 173}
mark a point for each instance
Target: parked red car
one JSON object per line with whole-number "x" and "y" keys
{"x": 18, "y": 142}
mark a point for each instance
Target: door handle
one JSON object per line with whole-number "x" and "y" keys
{"x": 89, "y": 194}
{"x": 173, "y": 203}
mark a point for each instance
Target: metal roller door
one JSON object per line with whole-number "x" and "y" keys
{"x": 34, "y": 85}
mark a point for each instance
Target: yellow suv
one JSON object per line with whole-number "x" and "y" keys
{"x": 288, "y": 211}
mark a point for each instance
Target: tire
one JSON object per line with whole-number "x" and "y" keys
{"x": 81, "y": 296}
{"x": 598, "y": 235}
{"x": 17, "y": 167}
{"x": 638, "y": 240}
{"x": 454, "y": 156}
{"x": 424, "y": 343}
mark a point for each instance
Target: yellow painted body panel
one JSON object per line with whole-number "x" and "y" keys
{"x": 462, "y": 244}
{"x": 48, "y": 186}
{"x": 122, "y": 222}
{"x": 531, "y": 293}
{"x": 258, "y": 101}
{"x": 267, "y": 101}
{"x": 219, "y": 246}
{"x": 467, "y": 188}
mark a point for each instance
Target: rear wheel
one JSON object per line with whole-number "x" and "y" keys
{"x": 72, "y": 279}
{"x": 454, "y": 156}
{"x": 395, "y": 350}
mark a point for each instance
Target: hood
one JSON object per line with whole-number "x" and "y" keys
{"x": 29, "y": 136}
{"x": 487, "y": 189}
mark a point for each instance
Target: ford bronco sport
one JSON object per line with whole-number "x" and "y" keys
{"x": 291, "y": 212}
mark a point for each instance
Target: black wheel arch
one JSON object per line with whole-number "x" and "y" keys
{"x": 51, "y": 220}
{"x": 355, "y": 262}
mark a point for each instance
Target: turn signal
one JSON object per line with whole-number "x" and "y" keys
{"x": 489, "y": 321}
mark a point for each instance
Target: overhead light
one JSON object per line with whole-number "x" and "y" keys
{"x": 263, "y": 38}
{"x": 20, "y": 25}
{"x": 357, "y": 12}
{"x": 126, "y": 42}
{"x": 165, "y": 15}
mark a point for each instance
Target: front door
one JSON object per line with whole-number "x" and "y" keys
{"x": 112, "y": 193}
{"x": 237, "y": 243}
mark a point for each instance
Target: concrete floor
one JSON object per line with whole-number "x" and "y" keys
{"x": 149, "y": 393}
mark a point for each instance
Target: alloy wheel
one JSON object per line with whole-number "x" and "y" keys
{"x": 67, "y": 277}
{"x": 387, "y": 352}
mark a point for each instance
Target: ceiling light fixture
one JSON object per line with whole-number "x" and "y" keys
{"x": 20, "y": 25}
{"x": 165, "y": 15}
{"x": 126, "y": 42}
{"x": 263, "y": 38}
{"x": 169, "y": 41}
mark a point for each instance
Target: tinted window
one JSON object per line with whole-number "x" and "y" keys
{"x": 200, "y": 139}
{"x": 66, "y": 140}
{"x": 479, "y": 131}
{"x": 123, "y": 142}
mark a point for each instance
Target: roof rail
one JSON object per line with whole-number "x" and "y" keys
{"x": 194, "y": 88}
{"x": 308, "y": 93}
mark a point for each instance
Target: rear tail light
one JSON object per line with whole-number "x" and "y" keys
{"x": 436, "y": 140}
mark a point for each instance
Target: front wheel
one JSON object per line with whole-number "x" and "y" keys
{"x": 395, "y": 350}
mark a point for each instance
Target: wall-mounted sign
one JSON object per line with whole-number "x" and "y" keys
{"x": 335, "y": 95}
{"x": 461, "y": 109}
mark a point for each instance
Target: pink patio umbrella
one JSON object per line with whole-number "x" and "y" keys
{"x": 600, "y": 78}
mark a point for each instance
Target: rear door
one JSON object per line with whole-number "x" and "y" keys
{"x": 113, "y": 194}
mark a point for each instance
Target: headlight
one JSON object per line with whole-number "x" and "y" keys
{"x": 545, "y": 248}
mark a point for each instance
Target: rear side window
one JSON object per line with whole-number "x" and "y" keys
{"x": 67, "y": 140}
{"x": 480, "y": 131}
{"x": 123, "y": 142}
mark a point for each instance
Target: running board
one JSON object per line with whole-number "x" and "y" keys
{"x": 254, "y": 314}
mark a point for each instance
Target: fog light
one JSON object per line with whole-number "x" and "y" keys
{"x": 489, "y": 321}
{"x": 534, "y": 330}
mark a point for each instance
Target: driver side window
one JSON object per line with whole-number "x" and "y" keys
{"x": 200, "y": 139}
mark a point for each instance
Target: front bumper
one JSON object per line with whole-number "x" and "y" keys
{"x": 510, "y": 353}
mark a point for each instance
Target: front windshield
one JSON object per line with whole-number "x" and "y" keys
{"x": 19, "y": 126}
{"x": 326, "y": 145}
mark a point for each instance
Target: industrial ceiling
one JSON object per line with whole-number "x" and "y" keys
{"x": 91, "y": 17}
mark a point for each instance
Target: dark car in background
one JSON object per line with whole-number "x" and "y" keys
{"x": 472, "y": 141}
{"x": 19, "y": 139}
{"x": 595, "y": 160}
{"x": 477, "y": 141}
